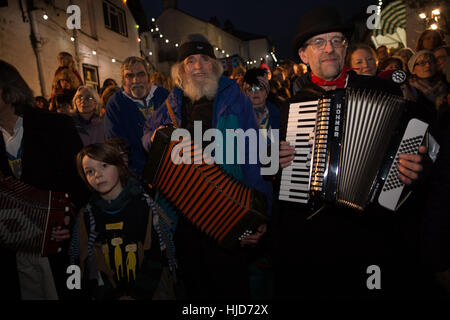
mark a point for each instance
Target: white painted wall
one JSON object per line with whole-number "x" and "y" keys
{"x": 15, "y": 45}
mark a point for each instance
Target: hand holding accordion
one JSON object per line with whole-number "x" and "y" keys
{"x": 205, "y": 194}
{"x": 30, "y": 218}
{"x": 347, "y": 147}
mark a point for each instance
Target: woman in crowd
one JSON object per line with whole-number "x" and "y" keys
{"x": 65, "y": 85}
{"x": 429, "y": 40}
{"x": 362, "y": 59}
{"x": 429, "y": 86}
{"x": 87, "y": 115}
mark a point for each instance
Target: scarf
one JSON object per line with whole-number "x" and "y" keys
{"x": 340, "y": 82}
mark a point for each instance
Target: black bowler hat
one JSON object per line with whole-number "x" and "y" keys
{"x": 195, "y": 43}
{"x": 317, "y": 21}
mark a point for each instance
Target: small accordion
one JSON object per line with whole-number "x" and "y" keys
{"x": 346, "y": 149}
{"x": 214, "y": 202}
{"x": 29, "y": 215}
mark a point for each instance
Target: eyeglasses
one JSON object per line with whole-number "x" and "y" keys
{"x": 254, "y": 89}
{"x": 424, "y": 62}
{"x": 320, "y": 44}
{"x": 140, "y": 75}
{"x": 80, "y": 97}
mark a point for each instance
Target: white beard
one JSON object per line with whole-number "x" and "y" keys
{"x": 196, "y": 89}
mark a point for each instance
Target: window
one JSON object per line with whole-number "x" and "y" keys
{"x": 115, "y": 19}
{"x": 90, "y": 73}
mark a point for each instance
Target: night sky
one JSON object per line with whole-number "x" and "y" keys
{"x": 278, "y": 19}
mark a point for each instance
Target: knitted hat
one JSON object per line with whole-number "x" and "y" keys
{"x": 412, "y": 60}
{"x": 195, "y": 44}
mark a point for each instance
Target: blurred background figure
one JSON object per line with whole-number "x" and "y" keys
{"x": 392, "y": 63}
{"x": 256, "y": 87}
{"x": 62, "y": 103}
{"x": 429, "y": 40}
{"x": 442, "y": 55}
{"x": 107, "y": 83}
{"x": 405, "y": 54}
{"x": 238, "y": 74}
{"x": 87, "y": 118}
{"x": 383, "y": 53}
{"x": 362, "y": 59}
{"x": 430, "y": 88}
{"x": 161, "y": 80}
{"x": 65, "y": 60}
{"x": 108, "y": 93}
{"x": 41, "y": 102}
{"x": 65, "y": 84}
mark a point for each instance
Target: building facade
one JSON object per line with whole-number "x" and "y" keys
{"x": 99, "y": 34}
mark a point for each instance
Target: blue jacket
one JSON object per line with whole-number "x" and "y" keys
{"x": 123, "y": 119}
{"x": 274, "y": 115}
{"x": 232, "y": 110}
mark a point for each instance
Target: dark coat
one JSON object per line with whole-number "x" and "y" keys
{"x": 50, "y": 144}
{"x": 328, "y": 255}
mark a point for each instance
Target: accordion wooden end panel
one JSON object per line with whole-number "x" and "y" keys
{"x": 203, "y": 192}
{"x": 28, "y": 215}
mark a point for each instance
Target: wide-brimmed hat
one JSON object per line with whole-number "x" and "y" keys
{"x": 317, "y": 21}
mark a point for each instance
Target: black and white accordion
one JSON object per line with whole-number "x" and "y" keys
{"x": 346, "y": 149}
{"x": 29, "y": 215}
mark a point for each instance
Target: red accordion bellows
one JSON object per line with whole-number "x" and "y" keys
{"x": 205, "y": 194}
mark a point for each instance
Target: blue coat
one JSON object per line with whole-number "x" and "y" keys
{"x": 232, "y": 110}
{"x": 123, "y": 119}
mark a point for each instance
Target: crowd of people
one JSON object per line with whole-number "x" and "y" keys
{"x": 131, "y": 243}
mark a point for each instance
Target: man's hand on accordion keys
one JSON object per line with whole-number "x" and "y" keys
{"x": 253, "y": 239}
{"x": 287, "y": 154}
{"x": 410, "y": 166}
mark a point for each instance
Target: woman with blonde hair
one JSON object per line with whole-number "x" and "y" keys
{"x": 87, "y": 118}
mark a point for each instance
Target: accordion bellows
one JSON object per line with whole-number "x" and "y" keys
{"x": 214, "y": 202}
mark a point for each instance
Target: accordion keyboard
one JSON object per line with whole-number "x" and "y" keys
{"x": 295, "y": 179}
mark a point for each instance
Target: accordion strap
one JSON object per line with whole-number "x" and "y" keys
{"x": 171, "y": 114}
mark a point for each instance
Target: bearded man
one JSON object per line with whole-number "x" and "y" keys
{"x": 129, "y": 108}
{"x": 202, "y": 93}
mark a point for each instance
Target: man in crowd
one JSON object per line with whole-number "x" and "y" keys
{"x": 203, "y": 94}
{"x": 329, "y": 255}
{"x": 129, "y": 108}
{"x": 39, "y": 149}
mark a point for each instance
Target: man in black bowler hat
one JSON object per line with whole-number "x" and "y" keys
{"x": 332, "y": 254}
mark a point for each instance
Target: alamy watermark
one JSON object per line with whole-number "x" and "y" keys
{"x": 374, "y": 20}
{"x": 252, "y": 147}
{"x": 74, "y": 20}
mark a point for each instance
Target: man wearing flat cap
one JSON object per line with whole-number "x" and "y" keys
{"x": 328, "y": 255}
{"x": 202, "y": 93}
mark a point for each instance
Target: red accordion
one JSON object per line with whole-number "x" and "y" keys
{"x": 205, "y": 194}
{"x": 29, "y": 215}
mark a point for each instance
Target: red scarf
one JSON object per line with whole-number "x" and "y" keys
{"x": 339, "y": 82}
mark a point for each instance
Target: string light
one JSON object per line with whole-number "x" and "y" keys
{"x": 222, "y": 51}
{"x": 45, "y": 16}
